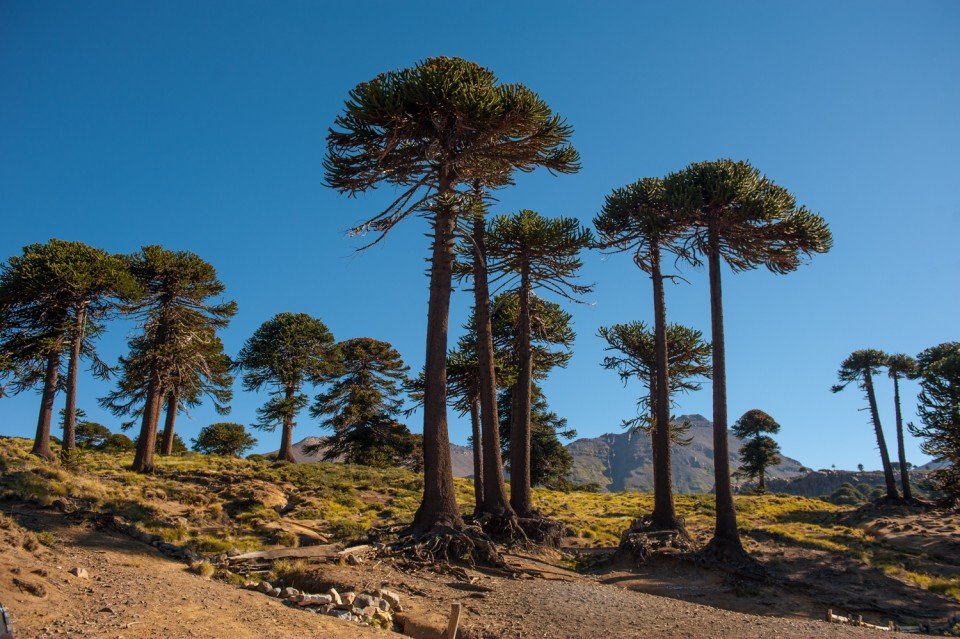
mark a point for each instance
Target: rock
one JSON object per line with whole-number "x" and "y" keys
{"x": 337, "y": 600}
{"x": 353, "y": 560}
{"x": 391, "y": 598}
{"x": 250, "y": 585}
{"x": 383, "y": 605}
{"x": 275, "y": 592}
{"x": 314, "y": 600}
{"x": 368, "y": 612}
{"x": 349, "y": 597}
{"x": 383, "y": 619}
{"x": 265, "y": 587}
{"x": 340, "y": 614}
{"x": 289, "y": 593}
{"x": 364, "y": 600}
{"x": 80, "y": 572}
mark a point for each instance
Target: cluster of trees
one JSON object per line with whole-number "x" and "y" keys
{"x": 938, "y": 370}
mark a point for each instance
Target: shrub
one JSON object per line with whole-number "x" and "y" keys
{"x": 224, "y": 438}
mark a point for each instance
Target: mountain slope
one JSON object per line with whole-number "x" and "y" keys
{"x": 624, "y": 461}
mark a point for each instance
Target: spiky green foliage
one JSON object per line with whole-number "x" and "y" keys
{"x": 223, "y": 438}
{"x": 361, "y": 404}
{"x": 91, "y": 434}
{"x": 550, "y": 461}
{"x": 759, "y": 450}
{"x": 286, "y": 352}
{"x": 939, "y": 410}
{"x": 552, "y": 335}
{"x": 635, "y": 358}
{"x": 860, "y": 367}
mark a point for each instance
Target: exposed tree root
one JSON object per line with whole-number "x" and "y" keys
{"x": 511, "y": 530}
{"x": 729, "y": 555}
{"x": 443, "y": 544}
{"x": 643, "y": 538}
{"x": 542, "y": 531}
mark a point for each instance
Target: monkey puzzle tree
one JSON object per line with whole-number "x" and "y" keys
{"x": 287, "y": 351}
{"x": 740, "y": 217}
{"x": 175, "y": 311}
{"x": 223, "y": 438}
{"x": 901, "y": 365}
{"x": 431, "y": 130}
{"x": 463, "y": 387}
{"x": 550, "y": 461}
{"x": 639, "y": 218}
{"x": 860, "y": 367}
{"x": 361, "y": 404}
{"x": 939, "y": 410}
{"x": 759, "y": 451}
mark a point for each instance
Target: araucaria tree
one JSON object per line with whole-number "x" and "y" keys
{"x": 939, "y": 410}
{"x": 759, "y": 451}
{"x": 901, "y": 366}
{"x": 463, "y": 386}
{"x": 636, "y": 357}
{"x": 741, "y": 217}
{"x": 361, "y": 404}
{"x": 532, "y": 253}
{"x": 640, "y": 219}
{"x": 286, "y": 352}
{"x": 860, "y": 367}
{"x": 223, "y": 438}
{"x": 433, "y": 130}
{"x": 54, "y": 298}
{"x": 177, "y": 310}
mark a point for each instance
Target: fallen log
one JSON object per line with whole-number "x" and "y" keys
{"x": 328, "y": 550}
{"x": 856, "y": 621}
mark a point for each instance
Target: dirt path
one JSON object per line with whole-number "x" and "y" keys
{"x": 134, "y": 592}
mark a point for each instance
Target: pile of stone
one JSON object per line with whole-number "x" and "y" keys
{"x": 373, "y": 609}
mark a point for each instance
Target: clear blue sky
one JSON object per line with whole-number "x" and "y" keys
{"x": 200, "y": 126}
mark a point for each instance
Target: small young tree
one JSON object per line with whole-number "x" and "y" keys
{"x": 741, "y": 217}
{"x": 939, "y": 410}
{"x": 759, "y": 450}
{"x": 117, "y": 443}
{"x": 432, "y": 130}
{"x": 901, "y": 366}
{"x": 91, "y": 435}
{"x": 223, "y": 438}
{"x": 286, "y": 352}
{"x": 550, "y": 461}
{"x": 533, "y": 253}
{"x": 363, "y": 399}
{"x": 860, "y": 367}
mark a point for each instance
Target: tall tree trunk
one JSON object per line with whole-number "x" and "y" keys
{"x": 173, "y": 405}
{"x": 41, "y": 444}
{"x": 286, "y": 438}
{"x": 495, "y": 502}
{"x": 520, "y": 493}
{"x": 477, "y": 456}
{"x": 664, "y": 514}
{"x": 881, "y": 441}
{"x": 73, "y": 367}
{"x": 901, "y": 453}
{"x": 726, "y": 535}
{"x": 439, "y": 504}
{"x": 143, "y": 460}
{"x": 762, "y": 485}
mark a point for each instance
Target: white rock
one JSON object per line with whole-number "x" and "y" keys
{"x": 80, "y": 572}
{"x": 391, "y": 598}
{"x": 337, "y": 599}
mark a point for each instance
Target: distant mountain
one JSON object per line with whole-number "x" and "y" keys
{"x": 624, "y": 461}
{"x": 934, "y": 465}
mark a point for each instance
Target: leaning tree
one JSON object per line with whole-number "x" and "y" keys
{"x": 738, "y": 216}
{"x": 939, "y": 410}
{"x": 860, "y": 367}
{"x": 177, "y": 308}
{"x": 284, "y": 353}
{"x": 432, "y": 130}
{"x": 532, "y": 253}
{"x": 902, "y": 366}
{"x": 639, "y": 219}
{"x": 759, "y": 450}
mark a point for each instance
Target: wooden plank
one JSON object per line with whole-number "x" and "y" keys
{"x": 328, "y": 550}
{"x": 454, "y": 623}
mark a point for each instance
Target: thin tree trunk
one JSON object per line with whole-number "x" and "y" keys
{"x": 477, "y": 456}
{"x": 41, "y": 444}
{"x": 173, "y": 405}
{"x": 495, "y": 502}
{"x": 726, "y": 536}
{"x": 73, "y": 368}
{"x": 762, "y": 486}
{"x": 143, "y": 460}
{"x": 881, "y": 441}
{"x": 520, "y": 493}
{"x": 286, "y": 438}
{"x": 439, "y": 504}
{"x": 901, "y": 453}
{"x": 664, "y": 514}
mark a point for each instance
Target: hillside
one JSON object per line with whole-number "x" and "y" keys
{"x": 624, "y": 461}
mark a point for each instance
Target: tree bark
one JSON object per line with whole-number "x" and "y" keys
{"x": 73, "y": 367}
{"x": 439, "y": 504}
{"x": 901, "y": 453}
{"x": 477, "y": 456}
{"x": 726, "y": 536}
{"x": 664, "y": 514}
{"x": 143, "y": 460}
{"x": 286, "y": 438}
{"x": 881, "y": 441}
{"x": 495, "y": 502}
{"x": 41, "y": 443}
{"x": 173, "y": 405}
{"x": 520, "y": 492}
{"x": 762, "y": 485}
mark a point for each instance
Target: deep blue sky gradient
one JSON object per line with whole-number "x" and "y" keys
{"x": 201, "y": 126}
